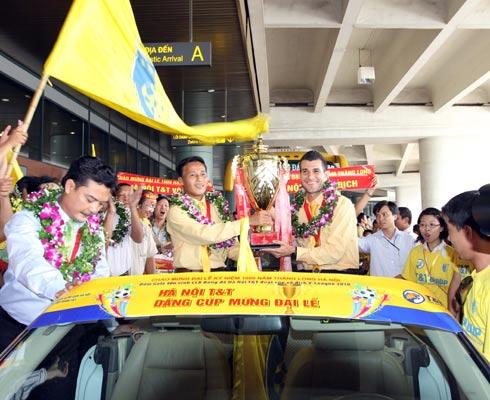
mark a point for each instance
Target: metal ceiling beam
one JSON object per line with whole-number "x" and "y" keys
{"x": 466, "y": 72}
{"x": 302, "y": 14}
{"x": 257, "y": 31}
{"x": 406, "y": 152}
{"x": 358, "y": 125}
{"x": 395, "y": 77}
{"x": 413, "y": 14}
{"x": 336, "y": 53}
{"x": 369, "y": 150}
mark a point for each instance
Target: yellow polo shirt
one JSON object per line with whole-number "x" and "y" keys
{"x": 476, "y": 315}
{"x": 188, "y": 237}
{"x": 433, "y": 269}
{"x": 338, "y": 240}
{"x": 463, "y": 267}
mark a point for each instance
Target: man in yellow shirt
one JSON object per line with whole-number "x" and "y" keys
{"x": 468, "y": 219}
{"x": 198, "y": 223}
{"x": 324, "y": 222}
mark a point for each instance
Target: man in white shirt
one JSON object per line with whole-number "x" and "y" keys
{"x": 120, "y": 256}
{"x": 31, "y": 281}
{"x": 404, "y": 221}
{"x": 389, "y": 247}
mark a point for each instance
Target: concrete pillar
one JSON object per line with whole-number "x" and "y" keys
{"x": 409, "y": 196}
{"x": 451, "y": 165}
{"x": 205, "y": 152}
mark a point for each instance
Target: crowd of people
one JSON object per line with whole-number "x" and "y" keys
{"x": 62, "y": 234}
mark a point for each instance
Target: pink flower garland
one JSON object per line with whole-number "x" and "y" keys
{"x": 51, "y": 235}
{"x": 187, "y": 204}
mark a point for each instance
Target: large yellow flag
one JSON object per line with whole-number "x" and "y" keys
{"x": 99, "y": 52}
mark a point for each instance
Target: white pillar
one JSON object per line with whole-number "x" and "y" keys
{"x": 451, "y": 165}
{"x": 409, "y": 196}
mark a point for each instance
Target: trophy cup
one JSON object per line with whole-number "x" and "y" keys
{"x": 261, "y": 174}
{"x": 289, "y": 291}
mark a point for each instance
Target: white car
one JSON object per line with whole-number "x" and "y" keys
{"x": 245, "y": 336}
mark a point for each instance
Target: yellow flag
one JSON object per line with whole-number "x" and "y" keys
{"x": 94, "y": 153}
{"x": 246, "y": 261}
{"x": 16, "y": 173}
{"x": 99, "y": 52}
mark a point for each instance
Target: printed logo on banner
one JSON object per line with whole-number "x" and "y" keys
{"x": 115, "y": 301}
{"x": 366, "y": 301}
{"x": 144, "y": 81}
{"x": 413, "y": 297}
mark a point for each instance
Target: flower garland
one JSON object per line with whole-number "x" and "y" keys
{"x": 185, "y": 202}
{"x": 324, "y": 216}
{"x": 44, "y": 206}
{"x": 122, "y": 226}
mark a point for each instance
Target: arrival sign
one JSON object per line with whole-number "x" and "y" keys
{"x": 173, "y": 54}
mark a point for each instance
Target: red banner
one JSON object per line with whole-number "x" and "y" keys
{"x": 347, "y": 178}
{"x": 156, "y": 185}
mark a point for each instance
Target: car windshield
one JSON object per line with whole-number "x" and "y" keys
{"x": 239, "y": 357}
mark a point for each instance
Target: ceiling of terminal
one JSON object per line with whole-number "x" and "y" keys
{"x": 429, "y": 57}
{"x": 298, "y": 61}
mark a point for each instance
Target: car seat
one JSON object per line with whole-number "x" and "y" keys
{"x": 174, "y": 365}
{"x": 340, "y": 363}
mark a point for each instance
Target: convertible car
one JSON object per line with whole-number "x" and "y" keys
{"x": 244, "y": 336}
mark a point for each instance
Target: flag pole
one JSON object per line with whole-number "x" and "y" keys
{"x": 28, "y": 118}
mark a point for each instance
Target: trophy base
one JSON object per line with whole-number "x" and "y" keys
{"x": 263, "y": 240}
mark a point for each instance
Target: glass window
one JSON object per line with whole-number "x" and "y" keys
{"x": 155, "y": 140}
{"x": 132, "y": 129}
{"x": 99, "y": 108}
{"x": 63, "y": 135}
{"x": 117, "y": 154}
{"x": 118, "y": 119}
{"x": 14, "y": 102}
{"x": 154, "y": 168}
{"x": 143, "y": 164}
{"x": 144, "y": 134}
{"x": 100, "y": 140}
{"x": 333, "y": 360}
{"x": 132, "y": 164}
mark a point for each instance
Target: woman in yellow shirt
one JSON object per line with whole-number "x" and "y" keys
{"x": 430, "y": 263}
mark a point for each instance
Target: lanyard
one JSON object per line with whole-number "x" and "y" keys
{"x": 208, "y": 210}
{"x": 76, "y": 246}
{"x": 393, "y": 244}
{"x": 306, "y": 207}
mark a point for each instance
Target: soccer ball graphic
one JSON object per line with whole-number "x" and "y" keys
{"x": 122, "y": 293}
{"x": 367, "y": 294}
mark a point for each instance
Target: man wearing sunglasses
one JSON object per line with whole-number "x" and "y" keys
{"x": 468, "y": 218}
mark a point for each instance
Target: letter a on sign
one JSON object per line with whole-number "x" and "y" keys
{"x": 197, "y": 54}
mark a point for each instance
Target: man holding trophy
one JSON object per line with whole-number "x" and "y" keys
{"x": 200, "y": 224}
{"x": 323, "y": 222}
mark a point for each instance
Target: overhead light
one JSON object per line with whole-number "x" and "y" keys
{"x": 72, "y": 133}
{"x": 5, "y": 100}
{"x": 365, "y": 73}
{"x": 27, "y": 96}
{"x": 223, "y": 116}
{"x": 211, "y": 90}
{"x": 54, "y": 123}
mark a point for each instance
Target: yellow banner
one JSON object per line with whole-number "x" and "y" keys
{"x": 279, "y": 293}
{"x": 99, "y": 52}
